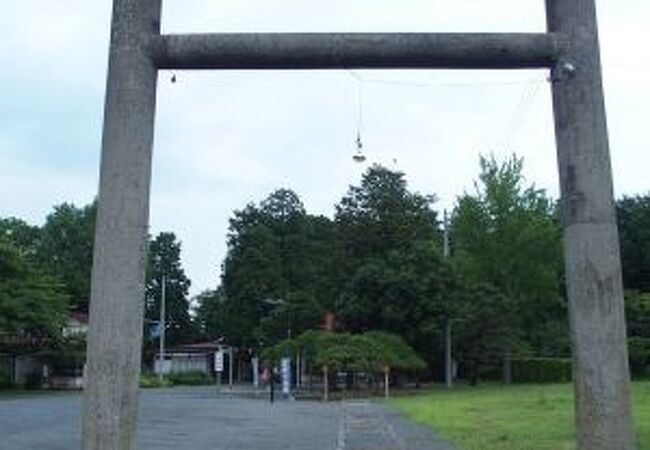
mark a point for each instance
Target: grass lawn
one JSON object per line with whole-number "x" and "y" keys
{"x": 520, "y": 417}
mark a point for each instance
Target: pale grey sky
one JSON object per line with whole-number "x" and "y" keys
{"x": 227, "y": 138}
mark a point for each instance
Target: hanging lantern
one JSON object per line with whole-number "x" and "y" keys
{"x": 359, "y": 156}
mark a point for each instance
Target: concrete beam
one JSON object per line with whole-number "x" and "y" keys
{"x": 591, "y": 249}
{"x": 356, "y": 50}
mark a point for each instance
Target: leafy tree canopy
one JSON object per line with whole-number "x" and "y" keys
{"x": 165, "y": 261}
{"x": 634, "y": 232}
{"x": 32, "y": 305}
{"x": 506, "y": 234}
{"x": 65, "y": 249}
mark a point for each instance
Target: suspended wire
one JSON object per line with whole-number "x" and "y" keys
{"x": 418, "y": 84}
{"x": 426, "y": 84}
{"x": 358, "y": 156}
{"x": 519, "y": 113}
{"x": 518, "y": 116}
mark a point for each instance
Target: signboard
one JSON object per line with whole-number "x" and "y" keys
{"x": 218, "y": 361}
{"x": 256, "y": 370}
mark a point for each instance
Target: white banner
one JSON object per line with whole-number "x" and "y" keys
{"x": 218, "y": 361}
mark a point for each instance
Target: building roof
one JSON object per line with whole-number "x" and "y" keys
{"x": 200, "y": 347}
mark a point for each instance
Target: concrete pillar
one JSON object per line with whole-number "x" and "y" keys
{"x": 593, "y": 268}
{"x": 110, "y": 406}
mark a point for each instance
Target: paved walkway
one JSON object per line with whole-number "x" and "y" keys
{"x": 369, "y": 425}
{"x": 195, "y": 418}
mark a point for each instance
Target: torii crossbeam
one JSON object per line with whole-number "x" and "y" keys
{"x": 569, "y": 49}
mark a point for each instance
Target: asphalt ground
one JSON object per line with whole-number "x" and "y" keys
{"x": 196, "y": 418}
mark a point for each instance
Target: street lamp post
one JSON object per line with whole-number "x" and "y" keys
{"x": 161, "y": 350}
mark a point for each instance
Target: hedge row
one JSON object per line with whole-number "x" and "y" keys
{"x": 148, "y": 380}
{"x": 639, "y": 351}
{"x": 541, "y": 370}
{"x": 5, "y": 380}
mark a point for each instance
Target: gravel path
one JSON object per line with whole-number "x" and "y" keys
{"x": 196, "y": 418}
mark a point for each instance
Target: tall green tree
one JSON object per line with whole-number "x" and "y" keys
{"x": 275, "y": 275}
{"x": 506, "y": 235}
{"x": 382, "y": 215}
{"x": 165, "y": 262}
{"x": 65, "y": 249}
{"x": 23, "y": 237}
{"x": 634, "y": 232}
{"x": 32, "y": 305}
{"x": 389, "y": 260}
{"x": 252, "y": 273}
{"x": 213, "y": 317}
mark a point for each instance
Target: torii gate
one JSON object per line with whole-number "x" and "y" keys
{"x": 569, "y": 49}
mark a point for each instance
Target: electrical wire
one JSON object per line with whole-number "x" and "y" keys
{"x": 519, "y": 113}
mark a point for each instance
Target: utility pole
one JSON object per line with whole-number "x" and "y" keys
{"x": 162, "y": 325}
{"x": 448, "y": 360}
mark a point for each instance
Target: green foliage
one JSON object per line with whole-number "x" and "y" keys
{"x": 508, "y": 235}
{"x": 382, "y": 215}
{"x": 506, "y": 243}
{"x": 23, "y": 237}
{"x": 213, "y": 314}
{"x": 65, "y": 250}
{"x": 541, "y": 370}
{"x": 192, "y": 378}
{"x": 486, "y": 329}
{"x": 275, "y": 276}
{"x": 519, "y": 417}
{"x": 348, "y": 352}
{"x": 5, "y": 379}
{"x": 634, "y": 232}
{"x": 393, "y": 351}
{"x": 149, "y": 380}
{"x": 31, "y": 304}
{"x": 286, "y": 347}
{"x": 390, "y": 268}
{"x": 368, "y": 352}
{"x": 639, "y": 354}
{"x": 165, "y": 259}
{"x": 637, "y": 312}
{"x": 33, "y": 380}
{"x": 407, "y": 292}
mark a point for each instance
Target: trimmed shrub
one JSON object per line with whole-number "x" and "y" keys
{"x": 5, "y": 380}
{"x": 541, "y": 370}
{"x": 34, "y": 380}
{"x": 191, "y": 378}
{"x": 148, "y": 380}
{"x": 639, "y": 354}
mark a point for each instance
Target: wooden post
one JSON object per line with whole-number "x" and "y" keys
{"x": 591, "y": 249}
{"x": 110, "y": 406}
{"x": 386, "y": 382}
